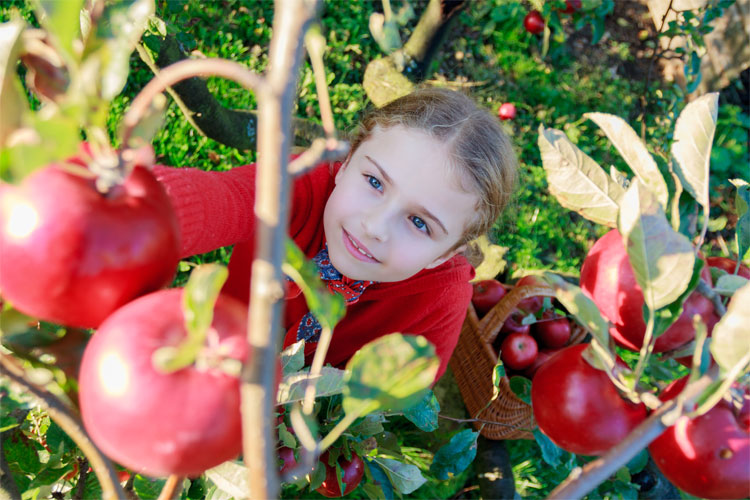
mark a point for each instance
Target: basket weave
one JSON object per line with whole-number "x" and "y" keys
{"x": 474, "y": 360}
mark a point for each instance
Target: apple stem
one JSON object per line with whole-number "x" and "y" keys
{"x": 646, "y": 349}
{"x": 69, "y": 423}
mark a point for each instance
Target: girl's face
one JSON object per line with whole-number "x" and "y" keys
{"x": 397, "y": 207}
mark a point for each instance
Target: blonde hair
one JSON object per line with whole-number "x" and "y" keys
{"x": 480, "y": 150}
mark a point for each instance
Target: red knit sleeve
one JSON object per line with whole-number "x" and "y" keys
{"x": 214, "y": 209}
{"x": 443, "y": 329}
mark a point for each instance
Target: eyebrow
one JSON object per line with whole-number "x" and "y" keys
{"x": 420, "y": 208}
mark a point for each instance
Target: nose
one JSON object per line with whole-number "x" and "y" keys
{"x": 375, "y": 223}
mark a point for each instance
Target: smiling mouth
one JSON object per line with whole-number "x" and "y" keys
{"x": 357, "y": 249}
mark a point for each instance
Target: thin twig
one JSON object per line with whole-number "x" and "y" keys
{"x": 315, "y": 44}
{"x": 582, "y": 481}
{"x": 172, "y": 488}
{"x": 321, "y": 150}
{"x": 69, "y": 423}
{"x": 708, "y": 292}
{"x": 186, "y": 112}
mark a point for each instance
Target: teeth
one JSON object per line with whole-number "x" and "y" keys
{"x": 360, "y": 250}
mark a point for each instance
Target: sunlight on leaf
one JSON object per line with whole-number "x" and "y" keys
{"x": 292, "y": 387}
{"x": 393, "y": 372}
{"x": 61, "y": 19}
{"x": 634, "y": 152}
{"x": 577, "y": 181}
{"x": 493, "y": 262}
{"x": 405, "y": 477}
{"x": 662, "y": 259}
{"x": 691, "y": 150}
{"x": 731, "y": 335}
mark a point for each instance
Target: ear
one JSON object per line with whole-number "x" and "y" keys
{"x": 445, "y": 257}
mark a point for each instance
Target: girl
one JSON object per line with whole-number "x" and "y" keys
{"x": 426, "y": 174}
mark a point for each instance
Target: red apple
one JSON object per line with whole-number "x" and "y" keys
{"x": 507, "y": 111}
{"x": 351, "y": 475}
{"x": 607, "y": 278}
{"x": 518, "y": 351}
{"x": 534, "y": 22}
{"x": 530, "y": 304}
{"x": 286, "y": 454}
{"x": 572, "y": 6}
{"x": 707, "y": 456}
{"x": 157, "y": 423}
{"x": 72, "y": 255}
{"x": 552, "y": 331}
{"x": 513, "y": 323}
{"x": 486, "y": 294}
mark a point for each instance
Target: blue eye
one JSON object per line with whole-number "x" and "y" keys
{"x": 374, "y": 182}
{"x": 420, "y": 224}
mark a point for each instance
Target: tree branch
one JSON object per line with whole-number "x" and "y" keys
{"x": 231, "y": 127}
{"x": 275, "y": 109}
{"x": 708, "y": 292}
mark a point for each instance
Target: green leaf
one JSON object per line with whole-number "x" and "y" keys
{"x": 20, "y": 453}
{"x": 521, "y": 387}
{"x": 368, "y": 426}
{"x": 551, "y": 453}
{"x": 381, "y": 480}
{"x": 728, "y": 284}
{"x": 198, "y": 300}
{"x": 62, "y": 20}
{"x": 392, "y": 372}
{"x": 667, "y": 315}
{"x": 59, "y": 136}
{"x": 425, "y": 413}
{"x": 147, "y": 488}
{"x": 498, "y": 372}
{"x": 577, "y": 181}
{"x": 662, "y": 259}
{"x": 57, "y": 440}
{"x": 293, "y": 358}
{"x": 230, "y": 477}
{"x": 456, "y": 455}
{"x": 638, "y": 462}
{"x": 328, "y": 308}
{"x": 691, "y": 149}
{"x": 292, "y": 387}
{"x": 286, "y": 437}
{"x": 742, "y": 204}
{"x": 634, "y": 152}
{"x": 580, "y": 306}
{"x": 731, "y": 340}
{"x": 405, "y": 477}
{"x": 14, "y": 106}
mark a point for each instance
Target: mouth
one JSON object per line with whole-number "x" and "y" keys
{"x": 357, "y": 249}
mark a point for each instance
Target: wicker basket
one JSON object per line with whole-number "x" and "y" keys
{"x": 474, "y": 359}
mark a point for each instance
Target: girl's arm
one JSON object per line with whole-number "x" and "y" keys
{"x": 214, "y": 209}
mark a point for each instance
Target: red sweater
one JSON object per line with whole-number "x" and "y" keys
{"x": 216, "y": 209}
